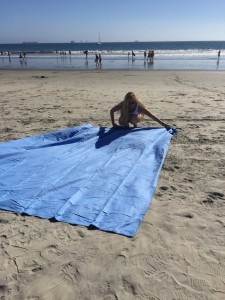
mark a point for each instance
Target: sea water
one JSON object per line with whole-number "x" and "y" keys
{"x": 70, "y": 56}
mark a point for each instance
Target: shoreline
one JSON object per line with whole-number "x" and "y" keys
{"x": 98, "y": 70}
{"x": 178, "y": 251}
{"x": 68, "y": 62}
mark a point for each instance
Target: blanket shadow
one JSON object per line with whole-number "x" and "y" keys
{"x": 54, "y": 220}
{"x": 105, "y": 136}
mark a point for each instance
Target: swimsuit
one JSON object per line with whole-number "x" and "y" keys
{"x": 135, "y": 112}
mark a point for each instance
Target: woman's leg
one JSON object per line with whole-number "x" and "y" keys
{"x": 135, "y": 119}
{"x": 122, "y": 122}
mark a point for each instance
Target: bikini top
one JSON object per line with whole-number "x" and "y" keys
{"x": 136, "y": 111}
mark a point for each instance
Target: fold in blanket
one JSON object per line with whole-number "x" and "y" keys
{"x": 105, "y": 177}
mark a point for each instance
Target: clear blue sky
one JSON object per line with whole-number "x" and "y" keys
{"x": 116, "y": 20}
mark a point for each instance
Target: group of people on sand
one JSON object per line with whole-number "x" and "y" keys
{"x": 132, "y": 111}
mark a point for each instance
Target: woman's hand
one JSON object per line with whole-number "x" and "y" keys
{"x": 168, "y": 127}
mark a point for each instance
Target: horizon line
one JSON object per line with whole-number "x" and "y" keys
{"x": 86, "y": 42}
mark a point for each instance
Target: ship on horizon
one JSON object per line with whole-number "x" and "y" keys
{"x": 34, "y": 42}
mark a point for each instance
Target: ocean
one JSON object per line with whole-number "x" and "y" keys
{"x": 192, "y": 55}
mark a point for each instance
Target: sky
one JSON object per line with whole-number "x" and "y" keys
{"x": 116, "y": 20}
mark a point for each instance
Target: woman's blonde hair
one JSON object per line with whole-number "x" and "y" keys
{"x": 125, "y": 106}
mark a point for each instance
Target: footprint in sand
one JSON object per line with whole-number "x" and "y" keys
{"x": 212, "y": 197}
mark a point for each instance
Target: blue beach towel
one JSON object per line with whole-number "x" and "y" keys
{"x": 105, "y": 177}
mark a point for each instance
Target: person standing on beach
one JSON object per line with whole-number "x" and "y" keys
{"x": 9, "y": 55}
{"x": 100, "y": 59}
{"x": 86, "y": 53}
{"x": 218, "y": 60}
{"x": 219, "y": 54}
{"x": 132, "y": 110}
{"x": 152, "y": 55}
{"x": 96, "y": 59}
{"x": 145, "y": 54}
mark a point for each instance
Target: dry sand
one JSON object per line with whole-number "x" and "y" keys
{"x": 179, "y": 249}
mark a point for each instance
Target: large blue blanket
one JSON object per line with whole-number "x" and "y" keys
{"x": 105, "y": 177}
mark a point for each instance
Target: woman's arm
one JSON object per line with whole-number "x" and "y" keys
{"x": 150, "y": 115}
{"x": 112, "y": 111}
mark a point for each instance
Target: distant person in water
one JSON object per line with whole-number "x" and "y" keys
{"x": 145, "y": 54}
{"x": 100, "y": 59}
{"x": 218, "y": 56}
{"x": 152, "y": 54}
{"x": 86, "y": 53}
{"x": 96, "y": 59}
{"x": 132, "y": 111}
{"x": 9, "y": 55}
{"x": 218, "y": 60}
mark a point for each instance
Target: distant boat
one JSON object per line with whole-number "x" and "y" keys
{"x": 30, "y": 42}
{"x": 72, "y": 42}
{"x": 99, "y": 40}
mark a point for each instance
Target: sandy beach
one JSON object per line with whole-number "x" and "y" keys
{"x": 179, "y": 249}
